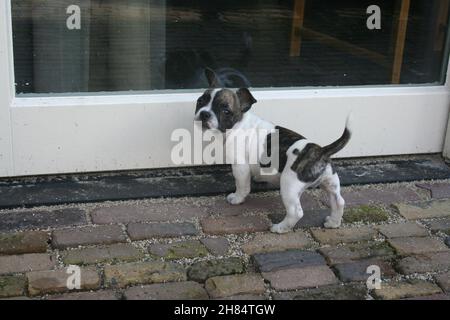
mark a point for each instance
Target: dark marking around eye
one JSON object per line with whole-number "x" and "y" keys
{"x": 203, "y": 100}
{"x": 226, "y": 99}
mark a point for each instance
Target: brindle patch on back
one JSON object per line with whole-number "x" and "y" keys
{"x": 223, "y": 100}
{"x": 286, "y": 138}
{"x": 310, "y": 163}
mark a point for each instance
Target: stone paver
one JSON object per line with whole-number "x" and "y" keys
{"x": 343, "y": 235}
{"x": 264, "y": 205}
{"x": 401, "y": 290}
{"x": 353, "y": 252}
{"x": 431, "y": 297}
{"x": 226, "y": 286}
{"x": 69, "y": 238}
{"x": 26, "y": 262}
{"x": 217, "y": 246}
{"x": 10, "y": 221}
{"x": 23, "y": 242}
{"x": 191, "y": 248}
{"x": 12, "y": 286}
{"x": 333, "y": 292}
{"x": 142, "y": 231}
{"x": 43, "y": 282}
{"x": 274, "y": 261}
{"x": 253, "y": 204}
{"x": 179, "y": 250}
{"x": 168, "y": 291}
{"x": 111, "y": 253}
{"x": 424, "y": 210}
{"x": 437, "y": 190}
{"x": 357, "y": 271}
{"x": 309, "y": 202}
{"x": 200, "y": 271}
{"x": 311, "y": 218}
{"x": 401, "y": 230}
{"x": 123, "y": 275}
{"x": 158, "y": 212}
{"x": 300, "y": 278}
{"x": 442, "y": 225}
{"x": 416, "y": 245}
{"x": 426, "y": 262}
{"x": 239, "y": 224}
{"x": 223, "y": 209}
{"x": 244, "y": 297}
{"x": 94, "y": 295}
{"x": 443, "y": 280}
{"x": 268, "y": 242}
{"x": 365, "y": 213}
{"x": 257, "y": 204}
{"x": 374, "y": 195}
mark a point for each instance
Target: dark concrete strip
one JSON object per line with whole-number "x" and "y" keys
{"x": 198, "y": 181}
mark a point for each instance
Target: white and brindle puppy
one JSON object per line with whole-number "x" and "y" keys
{"x": 302, "y": 164}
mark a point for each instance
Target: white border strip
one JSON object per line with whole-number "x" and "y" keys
{"x": 191, "y": 97}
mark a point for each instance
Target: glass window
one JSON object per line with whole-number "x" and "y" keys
{"x": 68, "y": 46}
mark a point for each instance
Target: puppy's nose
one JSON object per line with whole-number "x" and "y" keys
{"x": 205, "y": 115}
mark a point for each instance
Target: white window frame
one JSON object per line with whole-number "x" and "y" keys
{"x": 90, "y": 133}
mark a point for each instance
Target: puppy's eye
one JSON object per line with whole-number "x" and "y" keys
{"x": 226, "y": 112}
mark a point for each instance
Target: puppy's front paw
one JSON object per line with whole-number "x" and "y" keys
{"x": 331, "y": 224}
{"x": 280, "y": 228}
{"x": 234, "y": 199}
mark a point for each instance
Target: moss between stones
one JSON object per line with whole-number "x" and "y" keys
{"x": 9, "y": 240}
{"x": 203, "y": 270}
{"x": 365, "y": 213}
{"x": 354, "y": 292}
{"x": 186, "y": 250}
{"x": 373, "y": 249}
{"x": 11, "y": 286}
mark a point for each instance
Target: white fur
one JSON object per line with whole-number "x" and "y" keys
{"x": 291, "y": 188}
{"x": 243, "y": 172}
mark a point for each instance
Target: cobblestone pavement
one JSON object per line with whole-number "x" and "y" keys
{"x": 200, "y": 248}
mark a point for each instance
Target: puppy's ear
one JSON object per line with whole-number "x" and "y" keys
{"x": 213, "y": 81}
{"x": 245, "y": 99}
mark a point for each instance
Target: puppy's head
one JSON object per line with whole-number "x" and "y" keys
{"x": 221, "y": 109}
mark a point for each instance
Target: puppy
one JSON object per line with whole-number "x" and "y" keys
{"x": 301, "y": 163}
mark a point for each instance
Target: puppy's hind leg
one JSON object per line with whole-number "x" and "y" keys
{"x": 332, "y": 185}
{"x": 291, "y": 189}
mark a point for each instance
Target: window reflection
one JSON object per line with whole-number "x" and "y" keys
{"x": 125, "y": 45}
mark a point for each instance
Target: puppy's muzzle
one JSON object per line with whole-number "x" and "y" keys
{"x": 205, "y": 116}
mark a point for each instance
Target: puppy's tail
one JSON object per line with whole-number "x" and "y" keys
{"x": 340, "y": 143}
